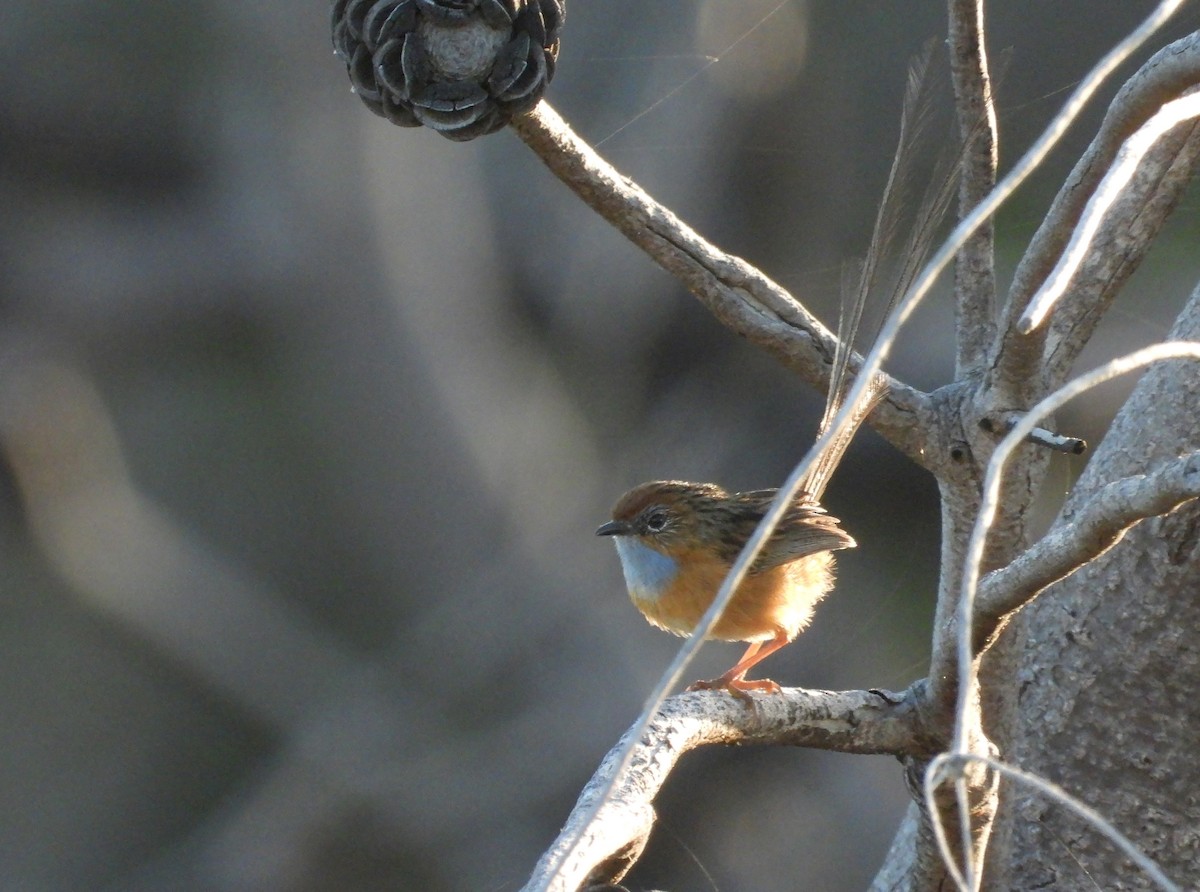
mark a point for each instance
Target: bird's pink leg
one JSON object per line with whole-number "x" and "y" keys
{"x": 735, "y": 681}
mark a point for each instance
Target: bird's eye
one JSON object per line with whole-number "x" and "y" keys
{"x": 656, "y": 520}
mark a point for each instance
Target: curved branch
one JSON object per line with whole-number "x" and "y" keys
{"x": 1081, "y": 537}
{"x": 1017, "y": 363}
{"x": 1124, "y": 239}
{"x": 1131, "y": 158}
{"x": 739, "y": 295}
{"x": 845, "y": 721}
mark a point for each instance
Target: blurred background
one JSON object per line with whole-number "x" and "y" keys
{"x": 307, "y": 421}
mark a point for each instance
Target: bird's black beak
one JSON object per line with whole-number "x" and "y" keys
{"x": 613, "y": 528}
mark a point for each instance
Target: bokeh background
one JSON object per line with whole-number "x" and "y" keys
{"x": 306, "y": 423}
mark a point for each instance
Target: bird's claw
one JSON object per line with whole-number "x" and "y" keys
{"x": 740, "y": 688}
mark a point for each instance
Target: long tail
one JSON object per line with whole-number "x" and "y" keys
{"x": 861, "y": 278}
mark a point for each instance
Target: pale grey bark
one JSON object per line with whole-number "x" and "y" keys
{"x": 1108, "y": 705}
{"x": 1017, "y": 368}
{"x": 600, "y": 847}
{"x": 975, "y": 271}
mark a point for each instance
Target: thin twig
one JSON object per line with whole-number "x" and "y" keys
{"x": 1057, "y": 442}
{"x": 1039, "y": 435}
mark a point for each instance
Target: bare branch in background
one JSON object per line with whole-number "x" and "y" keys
{"x": 129, "y": 560}
{"x": 738, "y": 294}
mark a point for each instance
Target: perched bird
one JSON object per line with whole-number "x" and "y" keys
{"x": 677, "y": 541}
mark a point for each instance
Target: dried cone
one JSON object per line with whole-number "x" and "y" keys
{"x": 462, "y": 67}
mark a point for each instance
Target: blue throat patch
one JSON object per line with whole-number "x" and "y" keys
{"x": 647, "y": 572}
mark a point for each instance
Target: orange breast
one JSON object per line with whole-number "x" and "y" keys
{"x": 779, "y": 599}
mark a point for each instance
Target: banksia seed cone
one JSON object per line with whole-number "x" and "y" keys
{"x": 462, "y": 67}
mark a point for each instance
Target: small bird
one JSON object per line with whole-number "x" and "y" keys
{"x": 677, "y": 541}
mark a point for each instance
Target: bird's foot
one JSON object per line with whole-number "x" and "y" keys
{"x": 738, "y": 687}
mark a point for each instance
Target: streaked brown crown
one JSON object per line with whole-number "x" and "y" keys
{"x": 663, "y": 493}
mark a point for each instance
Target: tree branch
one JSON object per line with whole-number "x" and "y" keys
{"x": 955, "y": 660}
{"x": 739, "y": 295}
{"x": 1017, "y": 370}
{"x": 1124, "y": 239}
{"x": 956, "y": 675}
{"x": 1119, "y": 179}
{"x": 611, "y": 821}
{"x": 975, "y": 273}
{"x": 1081, "y": 537}
{"x": 843, "y": 721}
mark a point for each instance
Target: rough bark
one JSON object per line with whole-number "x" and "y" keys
{"x": 1107, "y": 703}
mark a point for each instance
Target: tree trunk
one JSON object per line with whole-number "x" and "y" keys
{"x": 1107, "y": 692}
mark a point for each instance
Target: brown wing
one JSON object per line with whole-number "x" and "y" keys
{"x": 805, "y": 529}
